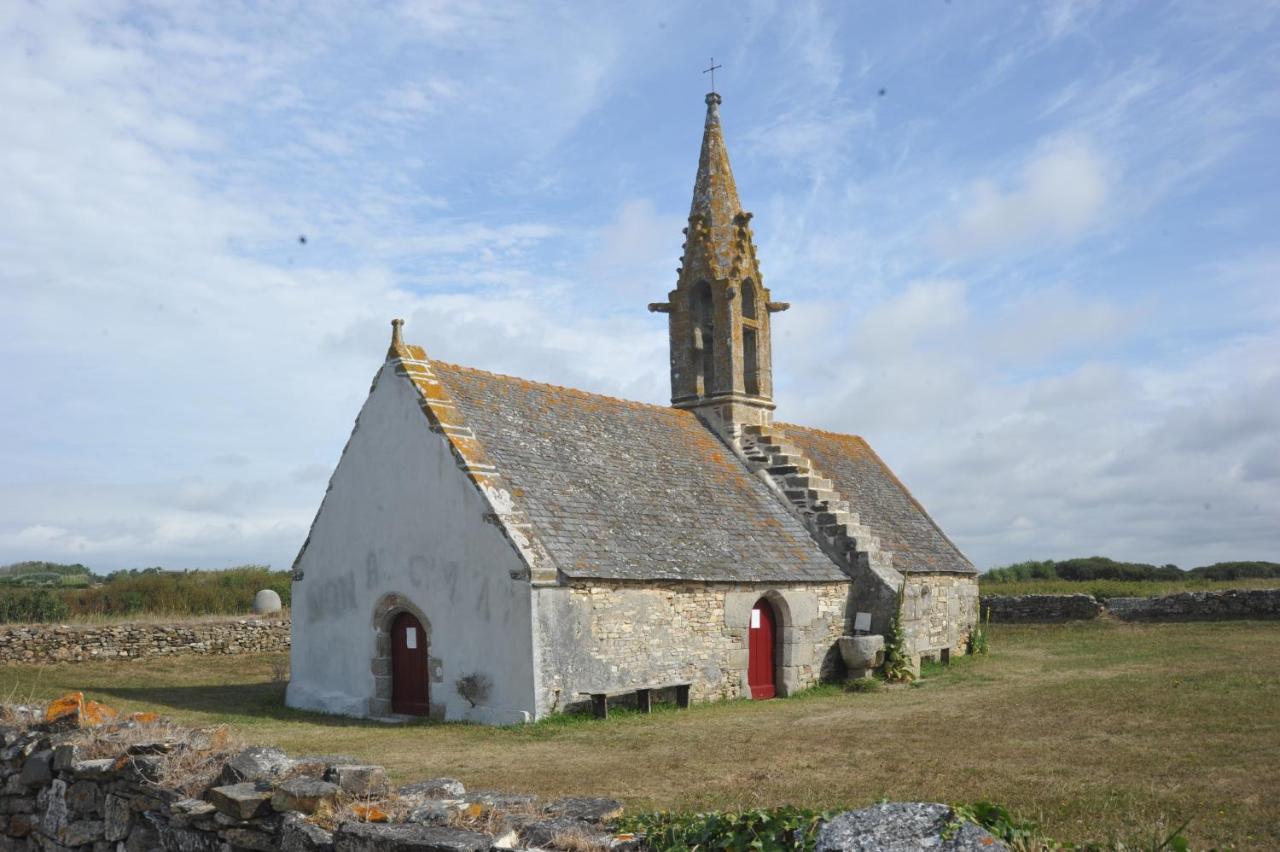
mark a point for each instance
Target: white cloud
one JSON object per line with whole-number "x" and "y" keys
{"x": 1061, "y": 192}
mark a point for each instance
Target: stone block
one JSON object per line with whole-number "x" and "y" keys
{"x": 255, "y": 764}
{"x": 298, "y": 835}
{"x": 84, "y": 798}
{"x": 593, "y": 810}
{"x": 304, "y": 795}
{"x": 241, "y": 801}
{"x": 435, "y": 788}
{"x": 371, "y": 837}
{"x": 64, "y": 755}
{"x": 37, "y": 771}
{"x": 81, "y": 832}
{"x": 359, "y": 779}
{"x": 249, "y": 838}
{"x": 116, "y": 818}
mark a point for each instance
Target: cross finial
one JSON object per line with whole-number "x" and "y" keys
{"x": 712, "y": 72}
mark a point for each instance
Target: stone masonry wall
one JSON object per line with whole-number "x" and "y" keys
{"x": 1183, "y": 606}
{"x": 622, "y": 636}
{"x": 1040, "y": 608}
{"x": 939, "y": 611}
{"x": 49, "y": 643}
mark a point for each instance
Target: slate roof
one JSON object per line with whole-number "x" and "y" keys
{"x": 882, "y": 502}
{"x": 628, "y": 491}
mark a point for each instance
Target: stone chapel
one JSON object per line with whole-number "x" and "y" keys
{"x": 496, "y": 550}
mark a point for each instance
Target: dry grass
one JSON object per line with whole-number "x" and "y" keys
{"x": 1098, "y": 730}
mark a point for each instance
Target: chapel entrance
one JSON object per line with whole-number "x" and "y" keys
{"x": 408, "y": 666}
{"x": 760, "y": 642}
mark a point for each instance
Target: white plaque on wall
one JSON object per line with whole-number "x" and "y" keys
{"x": 755, "y": 619}
{"x": 411, "y": 637}
{"x": 862, "y": 622}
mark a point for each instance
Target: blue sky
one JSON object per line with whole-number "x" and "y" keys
{"x": 1031, "y": 249}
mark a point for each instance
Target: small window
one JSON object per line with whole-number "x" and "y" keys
{"x": 704, "y": 335}
{"x": 749, "y": 299}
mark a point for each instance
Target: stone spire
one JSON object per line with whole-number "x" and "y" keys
{"x": 720, "y": 345}
{"x": 715, "y": 195}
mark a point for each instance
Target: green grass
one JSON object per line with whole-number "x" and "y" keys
{"x": 1096, "y": 730}
{"x": 1119, "y": 588}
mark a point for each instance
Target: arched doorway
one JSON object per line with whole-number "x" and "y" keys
{"x": 409, "y": 690}
{"x": 761, "y": 670}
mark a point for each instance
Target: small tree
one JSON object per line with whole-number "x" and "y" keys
{"x": 897, "y": 663}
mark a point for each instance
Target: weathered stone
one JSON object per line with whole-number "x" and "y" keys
{"x": 433, "y": 812}
{"x": 435, "y": 788}
{"x": 551, "y": 833}
{"x": 241, "y": 801}
{"x": 94, "y": 770}
{"x": 38, "y": 770}
{"x": 84, "y": 798}
{"x": 359, "y": 779}
{"x": 299, "y": 835}
{"x": 64, "y": 755}
{"x": 248, "y": 838}
{"x": 369, "y": 837}
{"x": 116, "y": 818}
{"x": 303, "y": 794}
{"x": 138, "y": 768}
{"x": 904, "y": 827}
{"x": 255, "y": 764}
{"x": 82, "y": 831}
{"x": 20, "y": 825}
{"x": 595, "y": 810}
{"x": 318, "y": 765}
{"x": 53, "y": 805}
{"x": 17, "y": 805}
{"x": 502, "y": 801}
{"x": 192, "y": 808}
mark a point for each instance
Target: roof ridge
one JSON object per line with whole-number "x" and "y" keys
{"x": 633, "y": 402}
{"x": 782, "y": 425}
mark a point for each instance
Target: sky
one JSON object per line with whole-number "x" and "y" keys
{"x": 1031, "y": 249}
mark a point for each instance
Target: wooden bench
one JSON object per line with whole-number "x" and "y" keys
{"x": 644, "y": 698}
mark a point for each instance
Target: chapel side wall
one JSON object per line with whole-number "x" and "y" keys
{"x": 609, "y": 635}
{"x": 939, "y": 611}
{"x": 402, "y": 519}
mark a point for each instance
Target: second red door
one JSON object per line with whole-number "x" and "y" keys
{"x": 760, "y": 637}
{"x": 408, "y": 667}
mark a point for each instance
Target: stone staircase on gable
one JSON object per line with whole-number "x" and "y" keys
{"x": 825, "y": 512}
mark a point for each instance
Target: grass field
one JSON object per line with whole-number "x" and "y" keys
{"x": 1098, "y": 730}
{"x": 1121, "y": 588}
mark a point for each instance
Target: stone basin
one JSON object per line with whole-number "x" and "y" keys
{"x": 862, "y": 654}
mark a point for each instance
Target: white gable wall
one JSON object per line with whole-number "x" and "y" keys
{"x": 402, "y": 518}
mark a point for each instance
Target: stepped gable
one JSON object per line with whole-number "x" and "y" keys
{"x": 628, "y": 491}
{"x": 881, "y": 501}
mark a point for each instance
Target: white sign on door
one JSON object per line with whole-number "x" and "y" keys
{"x": 411, "y": 637}
{"x": 755, "y": 619}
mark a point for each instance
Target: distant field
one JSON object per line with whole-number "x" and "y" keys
{"x": 1120, "y": 588}
{"x": 1099, "y": 730}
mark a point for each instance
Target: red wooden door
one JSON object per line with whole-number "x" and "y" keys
{"x": 408, "y": 666}
{"x": 760, "y": 651}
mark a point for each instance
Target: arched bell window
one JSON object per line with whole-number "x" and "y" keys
{"x": 703, "y": 309}
{"x": 749, "y": 299}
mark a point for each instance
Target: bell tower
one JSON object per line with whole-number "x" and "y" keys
{"x": 719, "y": 311}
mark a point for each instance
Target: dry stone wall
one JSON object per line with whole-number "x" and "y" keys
{"x": 1183, "y": 606}
{"x": 1005, "y": 609}
{"x": 48, "y": 643}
